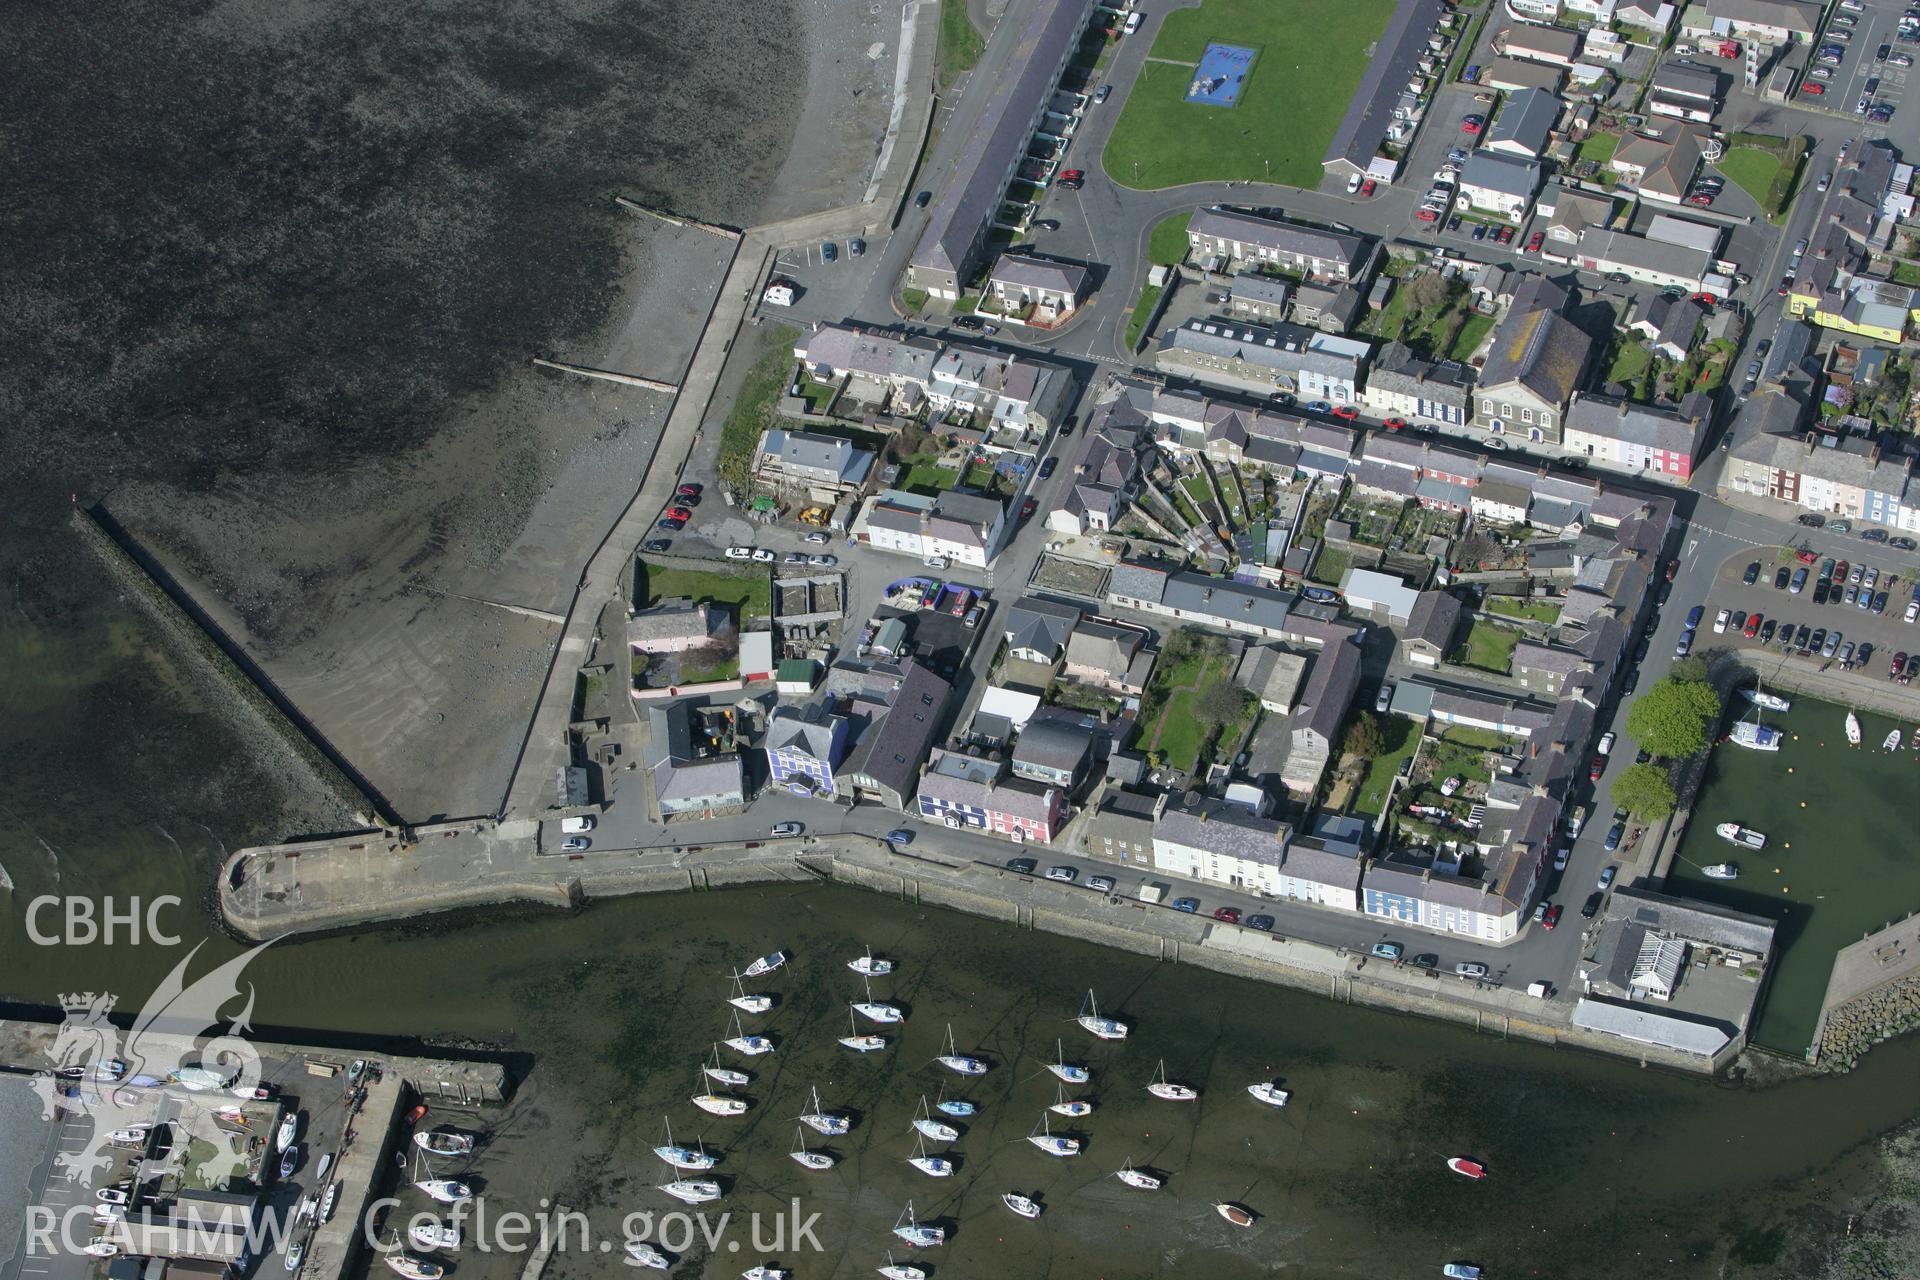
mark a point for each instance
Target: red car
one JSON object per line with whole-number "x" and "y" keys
{"x": 1072, "y": 179}
{"x": 1504, "y": 235}
{"x": 1229, "y": 914}
{"x": 1027, "y": 508}
{"x": 1806, "y": 557}
{"x": 1752, "y": 628}
{"x": 688, "y": 491}
{"x": 1673, "y": 567}
{"x": 679, "y": 513}
{"x": 1552, "y": 917}
{"x": 1472, "y": 124}
{"x": 1395, "y": 424}
{"x": 1366, "y": 188}
{"x": 1598, "y": 767}
{"x": 1707, "y": 298}
{"x": 1813, "y": 88}
{"x": 1426, "y": 215}
{"x": 1535, "y": 240}
{"x": 1345, "y": 412}
{"x": 1840, "y": 571}
{"x": 1702, "y": 199}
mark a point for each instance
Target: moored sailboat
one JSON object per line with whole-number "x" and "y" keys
{"x": 870, "y": 966}
{"x": 1047, "y": 1142}
{"x": 684, "y": 1157}
{"x": 954, "y": 1060}
{"x": 862, "y": 1042}
{"x": 725, "y": 1075}
{"x": 916, "y": 1235}
{"x": 820, "y": 1120}
{"x": 1138, "y": 1179}
{"x": 818, "y": 1161}
{"x": 746, "y": 1003}
{"x": 445, "y": 1190}
{"x": 1104, "y": 1028}
{"x": 1065, "y": 1106}
{"x": 740, "y": 1042}
{"x": 878, "y": 1010}
{"x": 693, "y": 1190}
{"x": 1067, "y": 1071}
{"x": 1161, "y": 1087}
{"x": 938, "y": 1130}
{"x": 932, "y": 1166}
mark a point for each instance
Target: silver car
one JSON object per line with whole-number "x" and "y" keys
{"x": 1470, "y": 969}
{"x": 1100, "y": 884}
{"x": 1066, "y": 875}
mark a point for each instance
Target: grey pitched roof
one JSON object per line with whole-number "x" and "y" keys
{"x": 1014, "y": 796}
{"x": 896, "y": 741}
{"x": 1305, "y": 860}
{"x": 1289, "y": 348}
{"x": 1527, "y": 119}
{"x": 1196, "y": 596}
{"x": 809, "y": 728}
{"x": 1538, "y": 349}
{"x": 1103, "y": 646}
{"x": 1398, "y": 370}
{"x": 1509, "y": 175}
{"x": 1041, "y": 625}
{"x": 1138, "y": 582}
{"x": 1224, "y": 829}
{"x": 1254, "y": 287}
{"x": 1034, "y": 272}
{"x": 1048, "y": 744}
{"x": 976, "y": 179}
{"x": 1328, "y": 691}
{"x": 1844, "y": 460}
{"x": 697, "y": 779}
{"x": 1644, "y": 425}
{"x": 804, "y": 449}
{"x": 1395, "y": 60}
{"x": 1279, "y": 235}
{"x": 1540, "y": 657}
{"x": 1434, "y": 618}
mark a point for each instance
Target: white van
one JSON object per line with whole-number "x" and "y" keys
{"x": 576, "y": 826}
{"x": 1576, "y": 820}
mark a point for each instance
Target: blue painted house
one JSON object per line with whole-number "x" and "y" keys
{"x": 804, "y": 745}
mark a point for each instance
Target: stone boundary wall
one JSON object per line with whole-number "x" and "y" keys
{"x": 263, "y": 718}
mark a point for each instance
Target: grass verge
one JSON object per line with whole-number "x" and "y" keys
{"x": 960, "y": 45}
{"x": 757, "y": 406}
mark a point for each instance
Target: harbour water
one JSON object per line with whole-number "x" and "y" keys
{"x": 1840, "y": 859}
{"x": 1597, "y": 1168}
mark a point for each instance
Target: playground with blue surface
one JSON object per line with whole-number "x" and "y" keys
{"x": 1221, "y": 75}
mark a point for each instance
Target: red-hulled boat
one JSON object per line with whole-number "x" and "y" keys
{"x": 1466, "y": 1168}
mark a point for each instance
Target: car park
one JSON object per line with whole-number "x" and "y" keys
{"x": 1065, "y": 875}
{"x": 1101, "y": 884}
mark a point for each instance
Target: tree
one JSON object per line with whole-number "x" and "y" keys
{"x": 1690, "y": 669}
{"x": 1428, "y": 290}
{"x": 1365, "y": 737}
{"x": 1671, "y": 719}
{"x": 1644, "y": 789}
{"x": 1222, "y": 703}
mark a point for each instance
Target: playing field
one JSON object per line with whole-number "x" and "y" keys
{"x": 1311, "y": 54}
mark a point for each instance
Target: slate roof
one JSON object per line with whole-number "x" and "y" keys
{"x": 1396, "y": 58}
{"x": 809, "y": 729}
{"x": 1434, "y": 618}
{"x": 896, "y": 741}
{"x": 1279, "y": 235}
{"x": 1539, "y": 349}
{"x": 1015, "y": 797}
{"x": 975, "y": 181}
{"x": 1200, "y": 598}
{"x": 1048, "y": 744}
{"x": 1644, "y": 425}
{"x": 807, "y": 451}
{"x": 1508, "y": 175}
{"x": 1224, "y": 829}
{"x": 1398, "y": 370}
{"x": 1102, "y": 646}
{"x": 1328, "y": 690}
{"x": 1031, "y": 271}
{"x": 1041, "y": 625}
{"x": 1526, "y": 120}
{"x": 1540, "y": 657}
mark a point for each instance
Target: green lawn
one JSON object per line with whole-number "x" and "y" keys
{"x": 694, "y": 671}
{"x": 924, "y": 478}
{"x": 1137, "y": 322}
{"x": 960, "y": 45}
{"x": 1197, "y": 488}
{"x": 1471, "y": 335}
{"x": 1630, "y": 362}
{"x": 757, "y": 406}
{"x": 1167, "y": 245}
{"x": 1907, "y": 273}
{"x": 1489, "y": 647}
{"x": 1480, "y": 739}
{"x": 1752, "y": 170}
{"x": 1401, "y": 737}
{"x": 1531, "y": 610}
{"x": 1598, "y": 147}
{"x": 1330, "y": 566}
{"x": 747, "y": 592}
{"x": 1311, "y": 56}
{"x": 1182, "y": 731}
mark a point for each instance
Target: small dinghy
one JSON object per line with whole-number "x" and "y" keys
{"x": 444, "y": 1142}
{"x": 1467, "y": 1168}
{"x": 1233, "y": 1213}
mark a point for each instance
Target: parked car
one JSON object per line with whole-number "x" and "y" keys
{"x": 1046, "y": 467}
{"x": 1470, "y": 969}
{"x": 1472, "y": 124}
{"x": 1591, "y": 907}
{"x": 762, "y": 556}
{"x": 575, "y": 844}
{"x": 1615, "y": 834}
{"x": 817, "y": 538}
{"x": 1535, "y": 240}
{"x": 738, "y": 553}
{"x": 1186, "y": 904}
{"x": 1552, "y": 918}
{"x": 1021, "y": 866}
{"x": 1367, "y": 189}
{"x": 1384, "y": 698}
{"x": 1065, "y": 875}
{"x": 1607, "y": 874}
{"x": 1231, "y": 915}
{"x": 1720, "y": 622}
{"x": 1752, "y": 628}
{"x": 823, "y": 562}
{"x": 1607, "y": 740}
{"x": 1264, "y": 923}
{"x": 1832, "y": 645}
{"x": 1781, "y": 577}
{"x": 829, "y": 252}
{"x": 1101, "y": 884}
{"x": 1386, "y": 950}
{"x": 656, "y": 544}
{"x": 1100, "y": 95}
{"x": 1560, "y": 857}
{"x": 1684, "y": 645}
{"x": 1072, "y": 179}
{"x": 1799, "y": 581}
{"x": 670, "y": 524}
{"x": 1694, "y": 615}
{"x": 786, "y": 830}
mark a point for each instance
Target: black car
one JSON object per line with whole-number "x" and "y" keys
{"x": 1641, "y": 650}
{"x": 1780, "y": 578}
{"x": 1752, "y": 575}
{"x": 969, "y": 322}
{"x": 1632, "y": 681}
{"x": 1813, "y": 520}
{"x": 1820, "y": 592}
{"x": 1591, "y": 907}
{"x": 1814, "y": 645}
{"x": 656, "y": 544}
{"x": 1642, "y": 756}
{"x": 1880, "y": 602}
{"x": 1046, "y": 224}
{"x": 1880, "y": 54}
{"x": 920, "y": 201}
{"x": 1022, "y": 866}
{"x": 1046, "y": 467}
{"x": 1904, "y": 543}
{"x": 1863, "y": 654}
{"x": 1666, "y": 593}
{"x": 1767, "y": 630}
{"x": 1873, "y": 535}
{"x": 1263, "y": 923}
{"x": 1425, "y": 960}
{"x": 1800, "y": 637}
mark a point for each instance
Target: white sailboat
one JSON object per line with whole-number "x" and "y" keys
{"x": 916, "y": 1235}
{"x": 1066, "y": 1070}
{"x": 646, "y": 1255}
{"x": 434, "y": 1235}
{"x": 446, "y": 1190}
{"x": 289, "y": 1128}
{"x": 901, "y": 1270}
{"x": 766, "y": 964}
{"x": 1105, "y": 1028}
{"x": 862, "y": 1043}
{"x": 746, "y": 1003}
{"x": 1891, "y": 742}
{"x": 953, "y": 1106}
{"x": 878, "y": 1010}
{"x": 1053, "y": 1146}
{"x": 820, "y": 1120}
{"x": 1065, "y": 1106}
{"x": 932, "y": 1166}
{"x": 1271, "y": 1094}
{"x": 868, "y": 966}
{"x": 1138, "y": 1179}
{"x": 720, "y": 1104}
{"x": 938, "y": 1130}
{"x": 954, "y": 1060}
{"x": 725, "y": 1075}
{"x": 818, "y": 1161}
{"x": 1771, "y": 701}
{"x": 684, "y": 1157}
{"x": 413, "y": 1268}
{"x": 1853, "y": 729}
{"x": 1164, "y": 1088}
{"x": 692, "y": 1190}
{"x": 1022, "y": 1205}
{"x": 751, "y": 1046}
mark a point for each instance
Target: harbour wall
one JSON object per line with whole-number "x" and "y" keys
{"x": 310, "y": 903}
{"x": 1873, "y": 994}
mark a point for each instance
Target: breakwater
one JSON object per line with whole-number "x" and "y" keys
{"x": 226, "y": 679}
